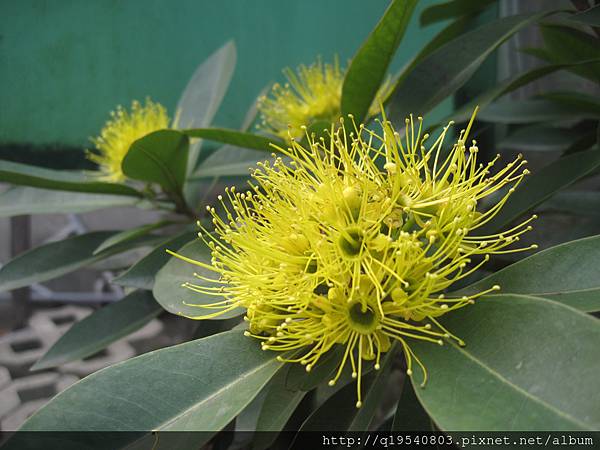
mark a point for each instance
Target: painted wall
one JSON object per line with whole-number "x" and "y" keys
{"x": 64, "y": 64}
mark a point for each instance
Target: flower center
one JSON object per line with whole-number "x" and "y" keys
{"x": 350, "y": 242}
{"x": 362, "y": 319}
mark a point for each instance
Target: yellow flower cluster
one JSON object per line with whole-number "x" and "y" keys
{"x": 353, "y": 241}
{"x": 121, "y": 131}
{"x": 312, "y": 95}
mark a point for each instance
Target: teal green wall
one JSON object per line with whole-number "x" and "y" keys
{"x": 64, "y": 64}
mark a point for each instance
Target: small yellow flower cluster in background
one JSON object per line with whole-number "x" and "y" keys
{"x": 353, "y": 241}
{"x": 311, "y": 95}
{"x": 121, "y": 131}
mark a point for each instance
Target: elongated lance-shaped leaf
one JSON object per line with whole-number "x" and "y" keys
{"x": 100, "y": 329}
{"x": 410, "y": 415}
{"x": 141, "y": 274}
{"x": 369, "y": 66}
{"x": 581, "y": 203}
{"x": 59, "y": 258}
{"x": 449, "y": 67}
{"x": 204, "y": 93}
{"x": 169, "y": 289}
{"x": 543, "y": 184}
{"x": 452, "y": 9}
{"x": 21, "y": 200}
{"x": 568, "y": 273}
{"x": 528, "y": 365}
{"x": 534, "y": 111}
{"x": 339, "y": 412}
{"x": 196, "y": 386}
{"x": 279, "y": 404}
{"x": 61, "y": 180}
{"x": 235, "y": 137}
{"x": 128, "y": 235}
{"x": 589, "y": 17}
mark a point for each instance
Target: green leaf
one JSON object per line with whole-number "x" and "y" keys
{"x": 159, "y": 157}
{"x": 539, "y": 138}
{"x": 297, "y": 378}
{"x": 21, "y": 200}
{"x": 464, "y": 112}
{"x": 589, "y": 17}
{"x": 565, "y": 44}
{"x": 339, "y": 412}
{"x": 410, "y": 415}
{"x": 583, "y": 102}
{"x": 583, "y": 203}
{"x": 61, "y": 180}
{"x": 199, "y": 385}
{"x": 204, "y": 93}
{"x": 278, "y": 406}
{"x": 542, "y": 184}
{"x": 452, "y": 9}
{"x": 529, "y": 364}
{"x": 141, "y": 275}
{"x": 228, "y": 162}
{"x": 533, "y": 111}
{"x": 369, "y": 65}
{"x": 449, "y": 67}
{"x": 560, "y": 273}
{"x": 449, "y": 33}
{"x": 175, "y": 298}
{"x": 237, "y": 138}
{"x": 128, "y": 235}
{"x": 100, "y": 329}
{"x": 59, "y": 258}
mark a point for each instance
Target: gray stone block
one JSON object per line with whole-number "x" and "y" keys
{"x": 20, "y": 349}
{"x": 24, "y": 396}
{"x": 57, "y": 320}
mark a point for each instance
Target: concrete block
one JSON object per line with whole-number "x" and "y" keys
{"x": 57, "y": 320}
{"x": 21, "y": 348}
{"x": 25, "y": 395}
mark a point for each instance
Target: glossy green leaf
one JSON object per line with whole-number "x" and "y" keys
{"x": 297, "y": 378}
{"x": 279, "y": 404}
{"x": 204, "y": 93}
{"x": 452, "y": 31}
{"x": 62, "y": 180}
{"x": 542, "y": 184}
{"x": 237, "y": 138}
{"x": 449, "y": 67}
{"x": 59, "y": 258}
{"x": 533, "y": 111}
{"x": 21, "y": 200}
{"x": 175, "y": 298}
{"x": 369, "y": 66}
{"x": 582, "y": 203}
{"x": 539, "y": 138}
{"x": 559, "y": 273}
{"x": 339, "y": 412}
{"x": 141, "y": 275}
{"x": 130, "y": 234}
{"x": 100, "y": 329}
{"x": 463, "y": 113}
{"x": 454, "y": 8}
{"x": 528, "y": 364}
{"x": 579, "y": 100}
{"x": 159, "y": 157}
{"x": 196, "y": 386}
{"x": 410, "y": 415}
{"x": 566, "y": 44}
{"x": 589, "y": 17}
